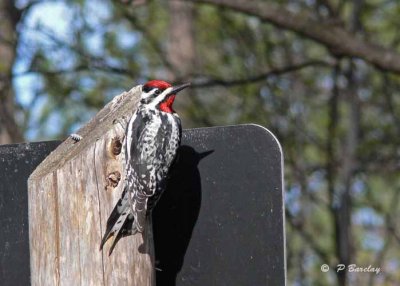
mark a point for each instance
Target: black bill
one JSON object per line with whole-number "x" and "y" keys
{"x": 178, "y": 88}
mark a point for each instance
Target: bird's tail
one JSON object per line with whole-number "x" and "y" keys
{"x": 120, "y": 222}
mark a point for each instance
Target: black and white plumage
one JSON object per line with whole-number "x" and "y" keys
{"x": 153, "y": 137}
{"x": 76, "y": 137}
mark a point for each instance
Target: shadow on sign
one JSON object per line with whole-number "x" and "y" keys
{"x": 176, "y": 214}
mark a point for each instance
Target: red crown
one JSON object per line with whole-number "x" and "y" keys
{"x": 158, "y": 84}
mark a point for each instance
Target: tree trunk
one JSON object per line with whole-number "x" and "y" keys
{"x": 9, "y": 16}
{"x": 181, "y": 45}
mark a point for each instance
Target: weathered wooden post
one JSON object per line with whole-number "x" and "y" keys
{"x": 71, "y": 194}
{"x": 220, "y": 221}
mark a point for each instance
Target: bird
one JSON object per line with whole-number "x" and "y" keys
{"x": 152, "y": 139}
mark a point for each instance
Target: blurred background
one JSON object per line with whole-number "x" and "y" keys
{"x": 323, "y": 75}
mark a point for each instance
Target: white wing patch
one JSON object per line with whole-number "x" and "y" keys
{"x": 129, "y": 138}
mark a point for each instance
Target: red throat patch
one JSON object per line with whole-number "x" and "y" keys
{"x": 166, "y": 105}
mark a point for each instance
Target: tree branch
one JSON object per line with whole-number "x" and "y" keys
{"x": 262, "y": 76}
{"x": 338, "y": 40}
{"x": 309, "y": 239}
{"x": 90, "y": 61}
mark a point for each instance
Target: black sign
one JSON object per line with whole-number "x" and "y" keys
{"x": 17, "y": 162}
{"x": 220, "y": 222}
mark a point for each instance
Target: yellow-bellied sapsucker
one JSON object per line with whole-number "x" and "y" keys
{"x": 151, "y": 142}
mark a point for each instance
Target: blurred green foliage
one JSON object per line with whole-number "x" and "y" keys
{"x": 336, "y": 117}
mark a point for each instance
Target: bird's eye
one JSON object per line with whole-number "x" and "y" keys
{"x": 157, "y": 92}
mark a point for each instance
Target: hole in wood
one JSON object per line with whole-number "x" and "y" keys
{"x": 113, "y": 179}
{"x": 116, "y": 146}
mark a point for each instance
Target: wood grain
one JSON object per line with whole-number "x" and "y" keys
{"x": 70, "y": 198}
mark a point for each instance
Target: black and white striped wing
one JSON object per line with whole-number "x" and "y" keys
{"x": 152, "y": 140}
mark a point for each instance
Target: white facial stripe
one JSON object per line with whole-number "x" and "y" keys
{"x": 160, "y": 97}
{"x": 149, "y": 94}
